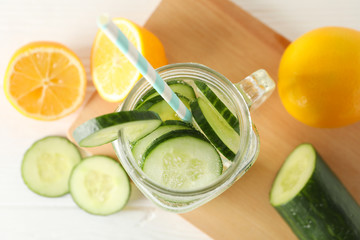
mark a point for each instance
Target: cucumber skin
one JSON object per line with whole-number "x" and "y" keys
{"x": 323, "y": 209}
{"x": 172, "y": 134}
{"x": 176, "y": 122}
{"x": 219, "y": 105}
{"x": 95, "y": 124}
{"x": 210, "y": 133}
{"x": 152, "y": 101}
{"x": 169, "y": 123}
{"x": 152, "y": 91}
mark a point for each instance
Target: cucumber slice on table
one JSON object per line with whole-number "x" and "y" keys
{"x": 219, "y": 105}
{"x": 105, "y": 128}
{"x": 216, "y": 128}
{"x": 160, "y": 106}
{"x": 182, "y": 160}
{"x": 140, "y": 146}
{"x": 99, "y": 185}
{"x": 312, "y": 200}
{"x": 47, "y": 165}
{"x": 178, "y": 86}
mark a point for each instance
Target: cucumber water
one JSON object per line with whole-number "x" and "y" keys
{"x": 172, "y": 153}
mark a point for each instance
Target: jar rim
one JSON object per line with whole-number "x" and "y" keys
{"x": 236, "y": 167}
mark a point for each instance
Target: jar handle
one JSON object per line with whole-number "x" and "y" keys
{"x": 256, "y": 88}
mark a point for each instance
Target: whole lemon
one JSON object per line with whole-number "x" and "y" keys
{"x": 319, "y": 77}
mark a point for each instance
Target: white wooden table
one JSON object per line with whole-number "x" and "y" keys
{"x": 25, "y": 215}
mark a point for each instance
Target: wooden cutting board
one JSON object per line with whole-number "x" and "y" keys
{"x": 224, "y": 37}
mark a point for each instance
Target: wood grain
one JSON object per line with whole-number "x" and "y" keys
{"x": 222, "y": 36}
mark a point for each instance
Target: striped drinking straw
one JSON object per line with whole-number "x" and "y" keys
{"x": 129, "y": 50}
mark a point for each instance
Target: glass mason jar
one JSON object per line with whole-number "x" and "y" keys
{"x": 240, "y": 97}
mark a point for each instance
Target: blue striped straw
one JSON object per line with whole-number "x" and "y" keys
{"x": 129, "y": 50}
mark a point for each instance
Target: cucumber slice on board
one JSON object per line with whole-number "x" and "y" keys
{"x": 47, "y": 165}
{"x": 312, "y": 200}
{"x": 105, "y": 128}
{"x": 216, "y": 129}
{"x": 178, "y": 86}
{"x": 140, "y": 146}
{"x": 99, "y": 185}
{"x": 219, "y": 105}
{"x": 160, "y": 106}
{"x": 182, "y": 160}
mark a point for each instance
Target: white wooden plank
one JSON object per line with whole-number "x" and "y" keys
{"x": 294, "y": 18}
{"x": 50, "y": 223}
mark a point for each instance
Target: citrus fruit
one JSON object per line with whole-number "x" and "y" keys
{"x": 113, "y": 75}
{"x": 45, "y": 81}
{"x": 319, "y": 77}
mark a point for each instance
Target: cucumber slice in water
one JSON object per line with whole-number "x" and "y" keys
{"x": 178, "y": 86}
{"x": 47, "y": 165}
{"x": 219, "y": 105}
{"x": 312, "y": 200}
{"x": 216, "y": 128}
{"x": 99, "y": 185}
{"x": 105, "y": 128}
{"x": 182, "y": 160}
{"x": 160, "y": 106}
{"x": 140, "y": 146}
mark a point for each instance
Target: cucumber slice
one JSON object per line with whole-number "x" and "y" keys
{"x": 99, "y": 185}
{"x": 178, "y": 86}
{"x": 214, "y": 126}
{"x": 312, "y": 200}
{"x": 219, "y": 105}
{"x": 182, "y": 160}
{"x": 160, "y": 106}
{"x": 142, "y": 144}
{"x": 105, "y": 128}
{"x": 47, "y": 165}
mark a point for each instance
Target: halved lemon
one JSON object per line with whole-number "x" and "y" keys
{"x": 113, "y": 75}
{"x": 45, "y": 81}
